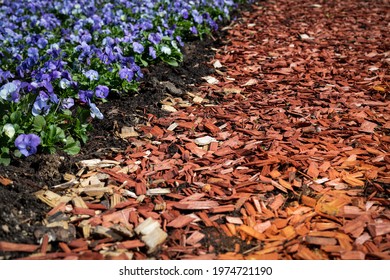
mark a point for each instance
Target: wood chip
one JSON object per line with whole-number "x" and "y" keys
{"x": 180, "y": 221}
{"x": 17, "y": 247}
{"x": 196, "y": 205}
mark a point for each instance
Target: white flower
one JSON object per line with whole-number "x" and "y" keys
{"x": 77, "y": 9}
{"x": 165, "y": 49}
{"x": 7, "y": 89}
{"x": 174, "y": 44}
{"x": 64, "y": 83}
{"x": 95, "y": 112}
{"x": 9, "y": 130}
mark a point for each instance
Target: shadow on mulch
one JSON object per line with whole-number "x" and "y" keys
{"x": 21, "y": 213}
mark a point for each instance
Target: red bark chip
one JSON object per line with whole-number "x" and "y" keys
{"x": 194, "y": 149}
{"x": 16, "y": 247}
{"x": 211, "y": 127}
{"x": 157, "y": 132}
{"x": 180, "y": 221}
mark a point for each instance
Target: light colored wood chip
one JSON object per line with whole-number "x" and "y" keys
{"x": 158, "y": 191}
{"x": 196, "y": 205}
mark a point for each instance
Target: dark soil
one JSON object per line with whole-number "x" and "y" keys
{"x": 21, "y": 213}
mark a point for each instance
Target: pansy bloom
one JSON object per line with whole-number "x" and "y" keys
{"x": 101, "y": 91}
{"x": 92, "y": 75}
{"x": 126, "y": 74}
{"x": 27, "y": 144}
{"x": 138, "y": 48}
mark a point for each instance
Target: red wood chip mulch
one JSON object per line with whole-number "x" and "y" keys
{"x": 283, "y": 154}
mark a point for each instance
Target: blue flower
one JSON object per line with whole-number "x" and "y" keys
{"x": 64, "y": 83}
{"x": 197, "y": 17}
{"x": 67, "y": 103}
{"x": 86, "y": 37}
{"x": 27, "y": 143}
{"x": 55, "y": 75}
{"x": 40, "y": 107}
{"x": 85, "y": 95}
{"x": 47, "y": 84}
{"x": 42, "y": 43}
{"x": 101, "y": 91}
{"x": 152, "y": 52}
{"x": 10, "y": 91}
{"x": 5, "y": 75}
{"x": 95, "y": 112}
{"x": 138, "y": 48}
{"x": 146, "y": 25}
{"x": 54, "y": 50}
{"x": 108, "y": 41}
{"x": 194, "y": 30}
{"x": 85, "y": 50}
{"x": 54, "y": 98}
{"x": 155, "y": 38}
{"x": 126, "y": 74}
{"x": 33, "y": 53}
{"x": 213, "y": 24}
{"x": 179, "y": 40}
{"x": 184, "y": 13}
{"x": 92, "y": 75}
{"x": 44, "y": 96}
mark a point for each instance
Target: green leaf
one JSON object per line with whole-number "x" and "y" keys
{"x": 60, "y": 134}
{"x": 5, "y": 161}
{"x": 67, "y": 112}
{"x": 72, "y": 149}
{"x": 144, "y": 62}
{"x": 171, "y": 62}
{"x": 17, "y": 154}
{"x": 39, "y": 123}
{"x": 4, "y": 156}
{"x": 16, "y": 116}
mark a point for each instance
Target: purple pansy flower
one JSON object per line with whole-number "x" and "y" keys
{"x": 152, "y": 52}
{"x": 27, "y": 143}
{"x": 33, "y": 53}
{"x": 92, "y": 75}
{"x": 85, "y": 95}
{"x": 67, "y": 103}
{"x": 126, "y": 74}
{"x": 180, "y": 41}
{"x": 101, "y": 91}
{"x": 184, "y": 13}
{"x": 64, "y": 83}
{"x": 138, "y": 48}
{"x": 155, "y": 38}
{"x": 10, "y": 91}
{"x": 40, "y": 107}
{"x": 194, "y": 30}
{"x": 197, "y": 17}
{"x": 42, "y": 43}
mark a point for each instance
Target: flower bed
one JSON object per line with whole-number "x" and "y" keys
{"x": 61, "y": 59}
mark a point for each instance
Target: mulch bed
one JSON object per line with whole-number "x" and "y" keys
{"x": 282, "y": 153}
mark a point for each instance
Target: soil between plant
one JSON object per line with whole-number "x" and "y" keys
{"x": 21, "y": 213}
